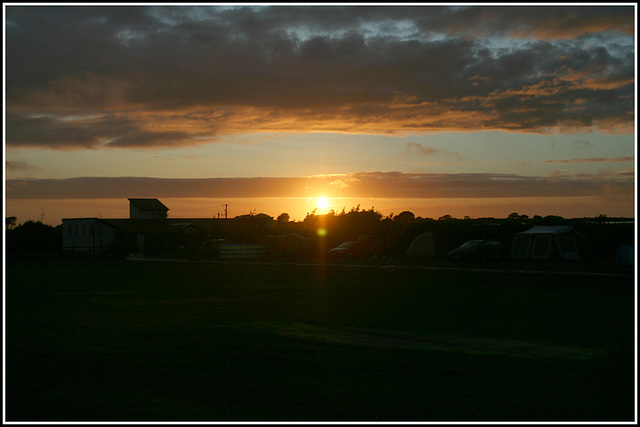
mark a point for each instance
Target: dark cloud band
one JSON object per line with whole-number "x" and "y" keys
{"x": 207, "y": 71}
{"x": 368, "y": 185}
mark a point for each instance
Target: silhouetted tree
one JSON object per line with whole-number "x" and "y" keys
{"x": 10, "y": 222}
{"x": 33, "y": 237}
{"x": 283, "y": 218}
{"x": 404, "y": 217}
{"x": 358, "y": 222}
{"x": 445, "y": 217}
{"x": 553, "y": 220}
{"x": 252, "y": 227}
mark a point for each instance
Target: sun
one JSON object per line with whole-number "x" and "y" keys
{"x": 322, "y": 203}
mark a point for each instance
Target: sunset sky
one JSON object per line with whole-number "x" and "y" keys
{"x": 475, "y": 111}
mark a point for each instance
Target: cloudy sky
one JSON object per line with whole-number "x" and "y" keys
{"x": 477, "y": 110}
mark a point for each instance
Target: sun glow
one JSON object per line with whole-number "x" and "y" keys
{"x": 322, "y": 203}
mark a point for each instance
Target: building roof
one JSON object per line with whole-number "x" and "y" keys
{"x": 136, "y": 225}
{"x": 148, "y": 205}
{"x": 169, "y": 225}
{"x": 551, "y": 229}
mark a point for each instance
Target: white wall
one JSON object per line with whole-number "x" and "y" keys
{"x": 86, "y": 235}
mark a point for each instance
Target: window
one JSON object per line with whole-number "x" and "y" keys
{"x": 542, "y": 246}
{"x": 521, "y": 246}
{"x": 567, "y": 244}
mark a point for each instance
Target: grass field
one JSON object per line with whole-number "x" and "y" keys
{"x": 169, "y": 341}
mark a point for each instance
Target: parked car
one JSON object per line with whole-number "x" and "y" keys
{"x": 476, "y": 250}
{"x": 352, "y": 248}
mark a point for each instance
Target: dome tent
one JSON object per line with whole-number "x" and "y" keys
{"x": 422, "y": 246}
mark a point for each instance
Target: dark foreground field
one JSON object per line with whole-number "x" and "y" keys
{"x": 141, "y": 341}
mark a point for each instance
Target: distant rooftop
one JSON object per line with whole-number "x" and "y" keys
{"x": 148, "y": 204}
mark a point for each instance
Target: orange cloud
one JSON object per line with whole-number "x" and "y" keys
{"x": 342, "y": 183}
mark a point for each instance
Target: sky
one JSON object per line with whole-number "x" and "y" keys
{"x": 472, "y": 110}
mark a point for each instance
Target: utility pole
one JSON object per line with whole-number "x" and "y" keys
{"x": 225, "y": 210}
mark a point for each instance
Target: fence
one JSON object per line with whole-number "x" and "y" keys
{"x": 242, "y": 251}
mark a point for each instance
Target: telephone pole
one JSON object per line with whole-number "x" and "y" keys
{"x": 225, "y": 210}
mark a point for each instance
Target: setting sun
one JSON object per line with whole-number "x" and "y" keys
{"x": 322, "y": 203}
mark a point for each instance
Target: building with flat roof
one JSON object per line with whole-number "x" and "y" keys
{"x": 147, "y": 230}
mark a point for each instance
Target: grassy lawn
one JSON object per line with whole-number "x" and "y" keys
{"x": 141, "y": 341}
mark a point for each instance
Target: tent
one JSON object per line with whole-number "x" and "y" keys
{"x": 546, "y": 242}
{"x": 624, "y": 255}
{"x": 291, "y": 245}
{"x": 422, "y": 246}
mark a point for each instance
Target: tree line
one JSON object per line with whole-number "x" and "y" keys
{"x": 391, "y": 234}
{"x": 31, "y": 237}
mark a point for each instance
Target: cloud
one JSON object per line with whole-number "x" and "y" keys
{"x": 413, "y": 148}
{"x": 581, "y": 144}
{"x": 19, "y": 166}
{"x": 540, "y": 22}
{"x": 343, "y": 183}
{"x": 48, "y": 131}
{"x": 358, "y": 185}
{"x": 594, "y": 160}
{"x": 118, "y": 130}
{"x": 170, "y": 76}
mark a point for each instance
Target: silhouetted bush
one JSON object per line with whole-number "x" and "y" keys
{"x": 33, "y": 237}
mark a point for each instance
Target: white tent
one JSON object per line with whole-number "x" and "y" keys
{"x": 422, "y": 246}
{"x": 545, "y": 242}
